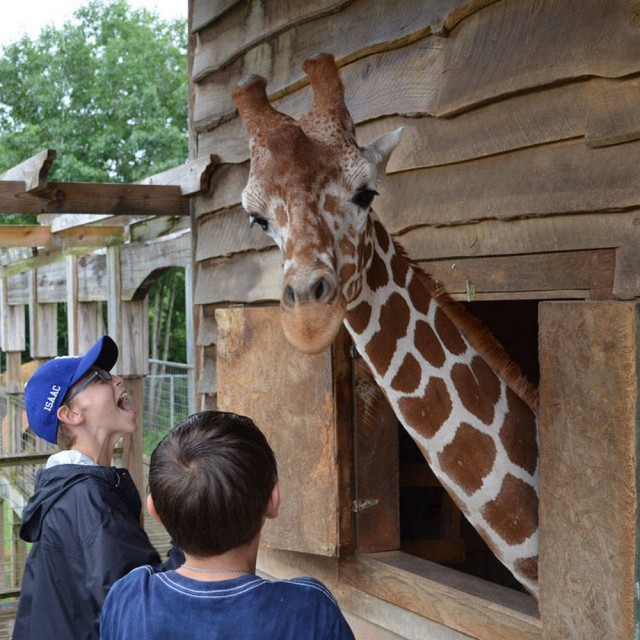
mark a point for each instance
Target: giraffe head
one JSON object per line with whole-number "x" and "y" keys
{"x": 310, "y": 188}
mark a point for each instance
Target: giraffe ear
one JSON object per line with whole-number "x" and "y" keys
{"x": 379, "y": 151}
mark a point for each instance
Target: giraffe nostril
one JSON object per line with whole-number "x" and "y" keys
{"x": 289, "y": 295}
{"x": 319, "y": 289}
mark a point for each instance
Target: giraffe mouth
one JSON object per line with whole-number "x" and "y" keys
{"x": 312, "y": 327}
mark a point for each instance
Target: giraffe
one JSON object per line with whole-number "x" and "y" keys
{"x": 453, "y": 388}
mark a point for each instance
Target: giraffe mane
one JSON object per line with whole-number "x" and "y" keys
{"x": 478, "y": 336}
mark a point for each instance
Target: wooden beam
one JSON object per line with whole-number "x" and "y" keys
{"x": 589, "y": 560}
{"x": 460, "y": 602}
{"x": 42, "y": 236}
{"x": 32, "y": 172}
{"x": 192, "y": 177}
{"x": 45, "y": 256}
{"x": 90, "y": 198}
{"x": 23, "y": 235}
{"x": 114, "y": 198}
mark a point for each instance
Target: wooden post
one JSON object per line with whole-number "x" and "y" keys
{"x": 18, "y": 549}
{"x": 43, "y": 324}
{"x": 90, "y": 324}
{"x": 134, "y": 365}
{"x": 3, "y": 546}
{"x": 589, "y": 354}
{"x": 189, "y": 320}
{"x": 71, "y": 265}
{"x": 13, "y": 343}
{"x": 114, "y": 297}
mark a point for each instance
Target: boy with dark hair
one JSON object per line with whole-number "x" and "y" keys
{"x": 213, "y": 482}
{"x": 84, "y": 516}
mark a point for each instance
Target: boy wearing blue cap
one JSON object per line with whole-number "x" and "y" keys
{"x": 84, "y": 516}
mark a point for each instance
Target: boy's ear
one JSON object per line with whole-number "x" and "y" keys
{"x": 273, "y": 506}
{"x": 68, "y": 415}
{"x": 151, "y": 508}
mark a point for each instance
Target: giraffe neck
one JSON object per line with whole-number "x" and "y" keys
{"x": 479, "y": 437}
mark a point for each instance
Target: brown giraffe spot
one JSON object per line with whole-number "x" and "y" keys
{"x": 359, "y": 317}
{"x": 377, "y": 275}
{"x": 427, "y": 414}
{"x": 528, "y": 567}
{"x": 510, "y": 515}
{"x": 346, "y": 272}
{"x": 394, "y": 320}
{"x": 448, "y": 333}
{"x": 407, "y": 378}
{"x": 280, "y": 215}
{"x": 468, "y": 458}
{"x": 428, "y": 345}
{"x": 478, "y": 388}
{"x": 419, "y": 297}
{"x": 518, "y": 433}
{"x": 399, "y": 269}
{"x": 382, "y": 236}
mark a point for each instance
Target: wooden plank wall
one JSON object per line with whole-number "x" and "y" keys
{"x": 516, "y": 177}
{"x": 521, "y": 138}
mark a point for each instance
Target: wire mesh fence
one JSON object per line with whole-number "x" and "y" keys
{"x": 168, "y": 400}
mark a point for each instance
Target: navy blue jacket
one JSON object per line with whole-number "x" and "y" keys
{"x": 84, "y": 522}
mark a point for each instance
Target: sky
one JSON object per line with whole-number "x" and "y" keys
{"x": 20, "y": 17}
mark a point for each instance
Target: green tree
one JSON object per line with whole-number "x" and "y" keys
{"x": 108, "y": 91}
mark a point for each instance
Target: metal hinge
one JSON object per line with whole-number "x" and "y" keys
{"x": 364, "y": 503}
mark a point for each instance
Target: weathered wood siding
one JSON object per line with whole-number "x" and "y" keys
{"x": 521, "y": 137}
{"x": 517, "y": 174}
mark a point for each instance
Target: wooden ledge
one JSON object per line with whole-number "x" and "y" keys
{"x": 467, "y": 604}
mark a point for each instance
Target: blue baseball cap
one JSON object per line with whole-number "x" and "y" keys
{"x": 48, "y": 386}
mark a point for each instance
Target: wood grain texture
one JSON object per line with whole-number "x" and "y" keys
{"x": 249, "y": 24}
{"x": 468, "y": 605}
{"x": 548, "y": 234}
{"x": 566, "y": 177}
{"x": 403, "y": 80}
{"x": 225, "y": 189}
{"x": 588, "y": 457}
{"x": 515, "y": 46}
{"x": 289, "y": 395}
{"x": 246, "y": 278}
{"x": 603, "y": 112}
{"x": 591, "y": 272}
{"x": 32, "y": 172}
{"x": 376, "y": 449}
{"x": 614, "y": 113}
{"x": 205, "y": 11}
{"x": 228, "y": 232}
{"x": 141, "y": 261}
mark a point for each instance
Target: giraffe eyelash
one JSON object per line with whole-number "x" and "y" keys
{"x": 364, "y": 198}
{"x": 261, "y": 222}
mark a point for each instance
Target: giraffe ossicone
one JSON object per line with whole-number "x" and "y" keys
{"x": 454, "y": 389}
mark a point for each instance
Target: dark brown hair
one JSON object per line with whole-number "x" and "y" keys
{"x": 211, "y": 478}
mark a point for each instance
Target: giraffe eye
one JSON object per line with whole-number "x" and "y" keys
{"x": 261, "y": 222}
{"x": 364, "y": 198}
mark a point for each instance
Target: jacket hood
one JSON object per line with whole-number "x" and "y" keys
{"x": 51, "y": 484}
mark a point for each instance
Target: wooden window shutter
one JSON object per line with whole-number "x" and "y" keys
{"x": 301, "y": 403}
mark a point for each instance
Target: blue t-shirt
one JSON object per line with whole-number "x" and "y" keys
{"x": 151, "y": 605}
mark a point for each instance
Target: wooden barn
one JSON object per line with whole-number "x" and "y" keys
{"x": 512, "y": 186}
{"x": 515, "y": 185}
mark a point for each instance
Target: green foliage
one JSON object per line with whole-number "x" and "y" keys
{"x": 167, "y": 316}
{"x": 108, "y": 91}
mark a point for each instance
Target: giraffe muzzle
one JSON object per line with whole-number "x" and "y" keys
{"x": 312, "y": 312}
